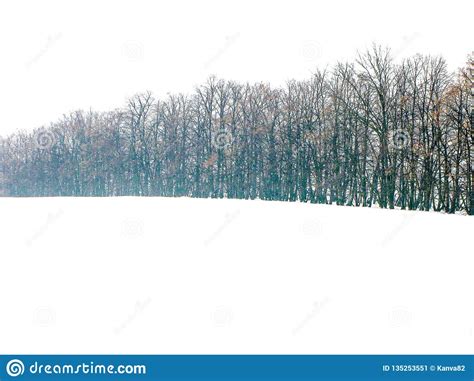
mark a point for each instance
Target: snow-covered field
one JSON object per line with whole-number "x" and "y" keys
{"x": 180, "y": 275}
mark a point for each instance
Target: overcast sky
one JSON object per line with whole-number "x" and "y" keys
{"x": 59, "y": 56}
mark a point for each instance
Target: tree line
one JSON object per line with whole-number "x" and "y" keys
{"x": 368, "y": 132}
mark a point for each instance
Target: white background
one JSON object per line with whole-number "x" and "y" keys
{"x": 208, "y": 276}
{"x": 59, "y": 56}
{"x": 180, "y": 275}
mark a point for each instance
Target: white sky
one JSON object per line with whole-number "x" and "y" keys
{"x": 59, "y": 56}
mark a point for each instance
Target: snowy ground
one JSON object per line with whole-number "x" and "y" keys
{"x": 164, "y": 275}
